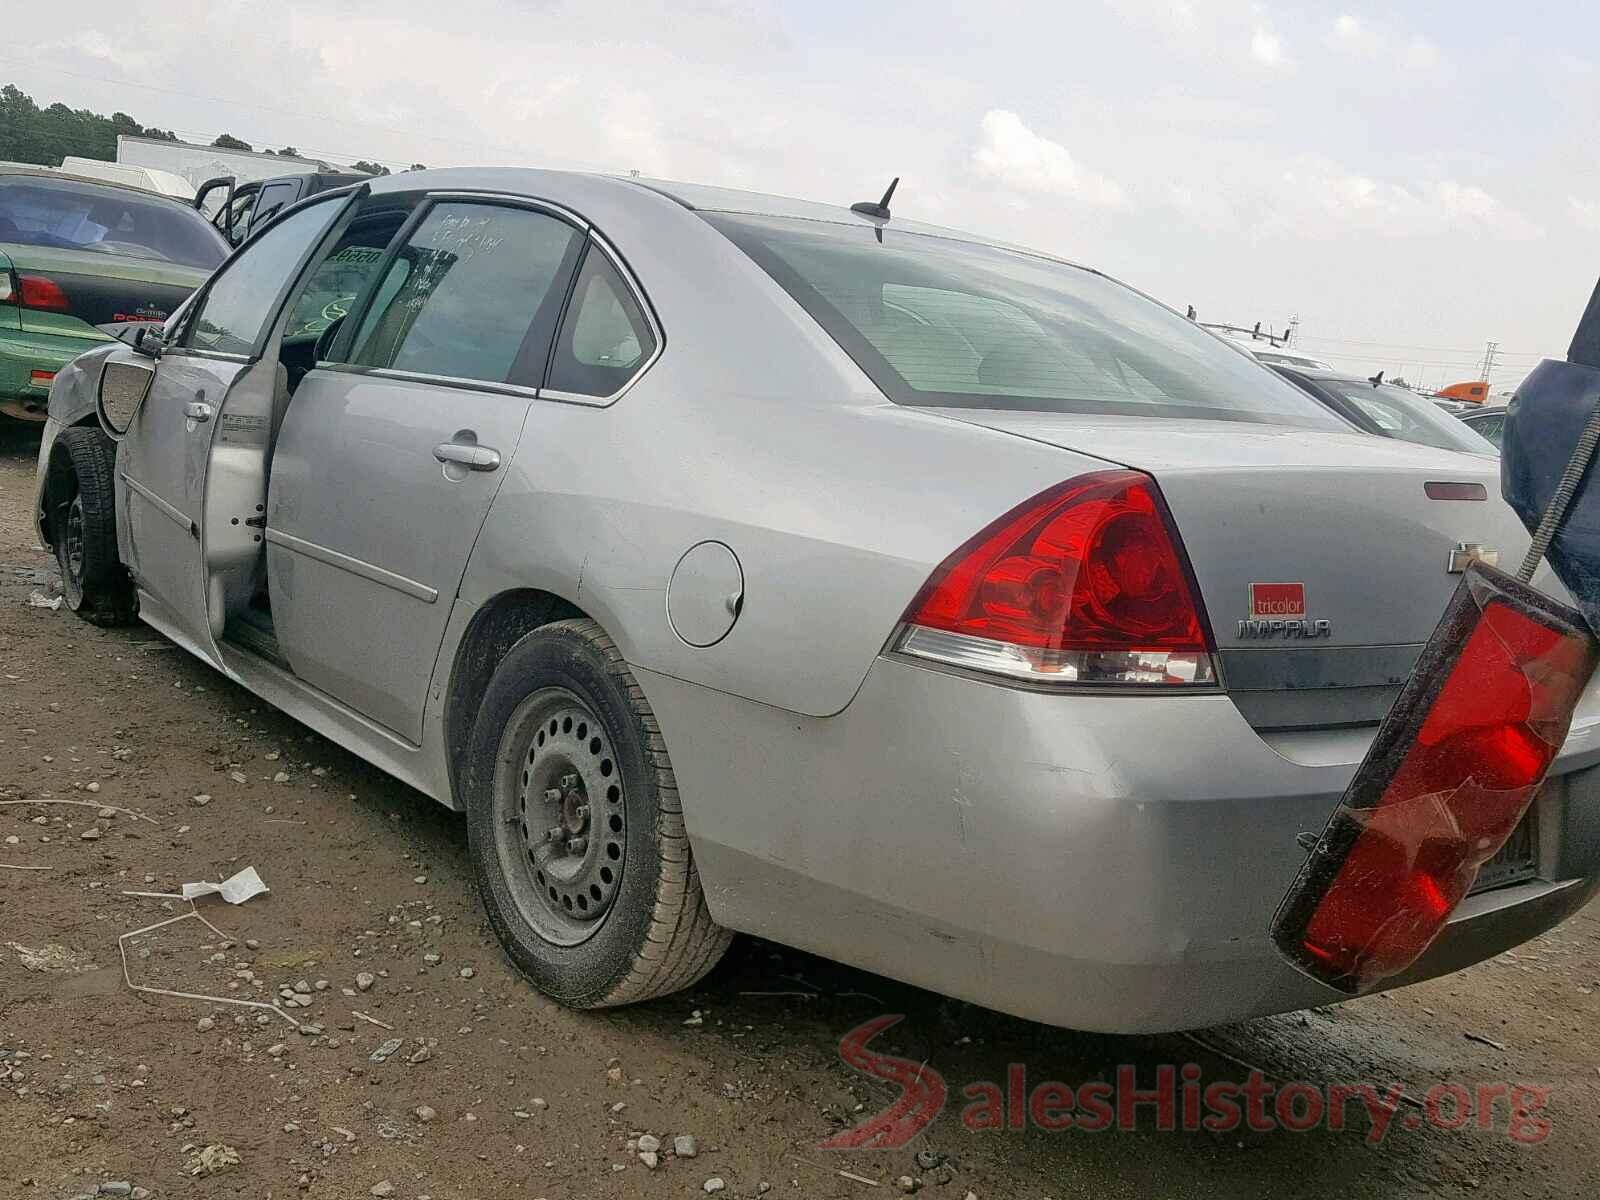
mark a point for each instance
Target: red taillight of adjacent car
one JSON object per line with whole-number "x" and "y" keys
{"x": 1085, "y": 583}
{"x": 41, "y": 292}
{"x": 1451, "y": 772}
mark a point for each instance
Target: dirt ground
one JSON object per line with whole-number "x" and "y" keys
{"x": 102, "y": 1086}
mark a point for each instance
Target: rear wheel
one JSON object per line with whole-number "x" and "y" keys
{"x": 575, "y": 828}
{"x": 83, "y": 528}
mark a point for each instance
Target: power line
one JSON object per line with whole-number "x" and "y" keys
{"x": 1311, "y": 337}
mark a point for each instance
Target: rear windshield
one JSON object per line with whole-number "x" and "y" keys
{"x": 940, "y": 322}
{"x": 1410, "y": 417}
{"x": 105, "y": 220}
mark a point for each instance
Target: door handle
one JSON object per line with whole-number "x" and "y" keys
{"x": 197, "y": 410}
{"x": 473, "y": 457}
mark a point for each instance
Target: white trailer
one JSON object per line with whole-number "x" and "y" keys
{"x": 197, "y": 164}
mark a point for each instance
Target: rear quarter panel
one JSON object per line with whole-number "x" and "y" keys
{"x": 755, "y": 430}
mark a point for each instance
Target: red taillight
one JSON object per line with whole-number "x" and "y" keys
{"x": 36, "y": 291}
{"x": 1450, "y": 774}
{"x": 1085, "y": 583}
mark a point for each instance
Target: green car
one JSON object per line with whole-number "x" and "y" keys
{"x": 76, "y": 254}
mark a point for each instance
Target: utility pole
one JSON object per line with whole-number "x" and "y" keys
{"x": 1489, "y": 354}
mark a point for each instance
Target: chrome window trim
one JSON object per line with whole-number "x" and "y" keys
{"x": 215, "y": 355}
{"x": 449, "y": 381}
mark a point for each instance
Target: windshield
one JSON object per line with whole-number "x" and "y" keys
{"x": 1410, "y": 417}
{"x": 66, "y": 215}
{"x": 935, "y": 321}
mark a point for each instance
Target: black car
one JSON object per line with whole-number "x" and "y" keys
{"x": 244, "y": 206}
{"x": 1489, "y": 420}
{"x": 1388, "y": 411}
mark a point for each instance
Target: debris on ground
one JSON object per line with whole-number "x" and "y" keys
{"x": 386, "y": 1051}
{"x": 50, "y": 958}
{"x": 236, "y": 889}
{"x": 208, "y": 1160}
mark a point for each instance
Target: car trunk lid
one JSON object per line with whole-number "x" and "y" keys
{"x": 100, "y": 288}
{"x": 1322, "y": 558}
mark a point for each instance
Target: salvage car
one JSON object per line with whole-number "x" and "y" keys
{"x": 738, "y": 563}
{"x": 76, "y": 253}
{"x": 1392, "y": 411}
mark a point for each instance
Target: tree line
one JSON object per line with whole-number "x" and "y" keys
{"x": 30, "y": 134}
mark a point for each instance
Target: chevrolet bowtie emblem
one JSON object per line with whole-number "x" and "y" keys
{"x": 1468, "y": 552}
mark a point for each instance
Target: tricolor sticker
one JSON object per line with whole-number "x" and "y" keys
{"x": 1277, "y": 600}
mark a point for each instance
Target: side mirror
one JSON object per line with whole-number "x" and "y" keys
{"x": 123, "y": 387}
{"x": 142, "y": 337}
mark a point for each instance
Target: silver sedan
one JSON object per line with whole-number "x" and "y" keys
{"x": 740, "y": 563}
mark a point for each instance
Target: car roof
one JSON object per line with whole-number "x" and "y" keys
{"x": 1481, "y": 410}
{"x": 56, "y": 173}
{"x": 697, "y": 197}
{"x": 1327, "y": 374}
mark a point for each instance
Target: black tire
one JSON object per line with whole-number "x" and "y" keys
{"x": 83, "y": 528}
{"x": 563, "y": 714}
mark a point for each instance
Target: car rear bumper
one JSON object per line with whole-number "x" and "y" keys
{"x": 21, "y": 354}
{"x": 1099, "y": 862}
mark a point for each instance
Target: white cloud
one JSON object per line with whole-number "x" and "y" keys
{"x": 1585, "y": 212}
{"x": 1011, "y": 154}
{"x": 1266, "y": 47}
{"x": 1355, "y": 37}
{"x": 1316, "y": 197}
{"x": 1222, "y": 32}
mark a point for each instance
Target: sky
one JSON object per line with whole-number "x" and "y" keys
{"x": 1410, "y": 181}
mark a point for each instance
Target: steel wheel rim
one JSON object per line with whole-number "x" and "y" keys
{"x": 73, "y": 539}
{"x": 559, "y": 816}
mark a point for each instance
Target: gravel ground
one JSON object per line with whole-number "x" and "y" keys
{"x": 491, "y": 1090}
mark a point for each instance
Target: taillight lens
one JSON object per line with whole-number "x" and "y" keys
{"x": 8, "y": 288}
{"x": 1451, "y": 772}
{"x": 38, "y": 291}
{"x": 1085, "y": 583}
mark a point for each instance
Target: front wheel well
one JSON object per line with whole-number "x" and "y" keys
{"x": 495, "y": 628}
{"x": 55, "y": 478}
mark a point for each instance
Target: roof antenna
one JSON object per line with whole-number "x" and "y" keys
{"x": 879, "y": 209}
{"x": 1376, "y": 379}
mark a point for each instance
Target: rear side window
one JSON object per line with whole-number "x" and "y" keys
{"x": 941, "y": 322}
{"x": 241, "y": 300}
{"x": 472, "y": 295}
{"x": 605, "y": 339}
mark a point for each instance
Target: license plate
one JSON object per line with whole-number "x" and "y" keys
{"x": 1517, "y": 860}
